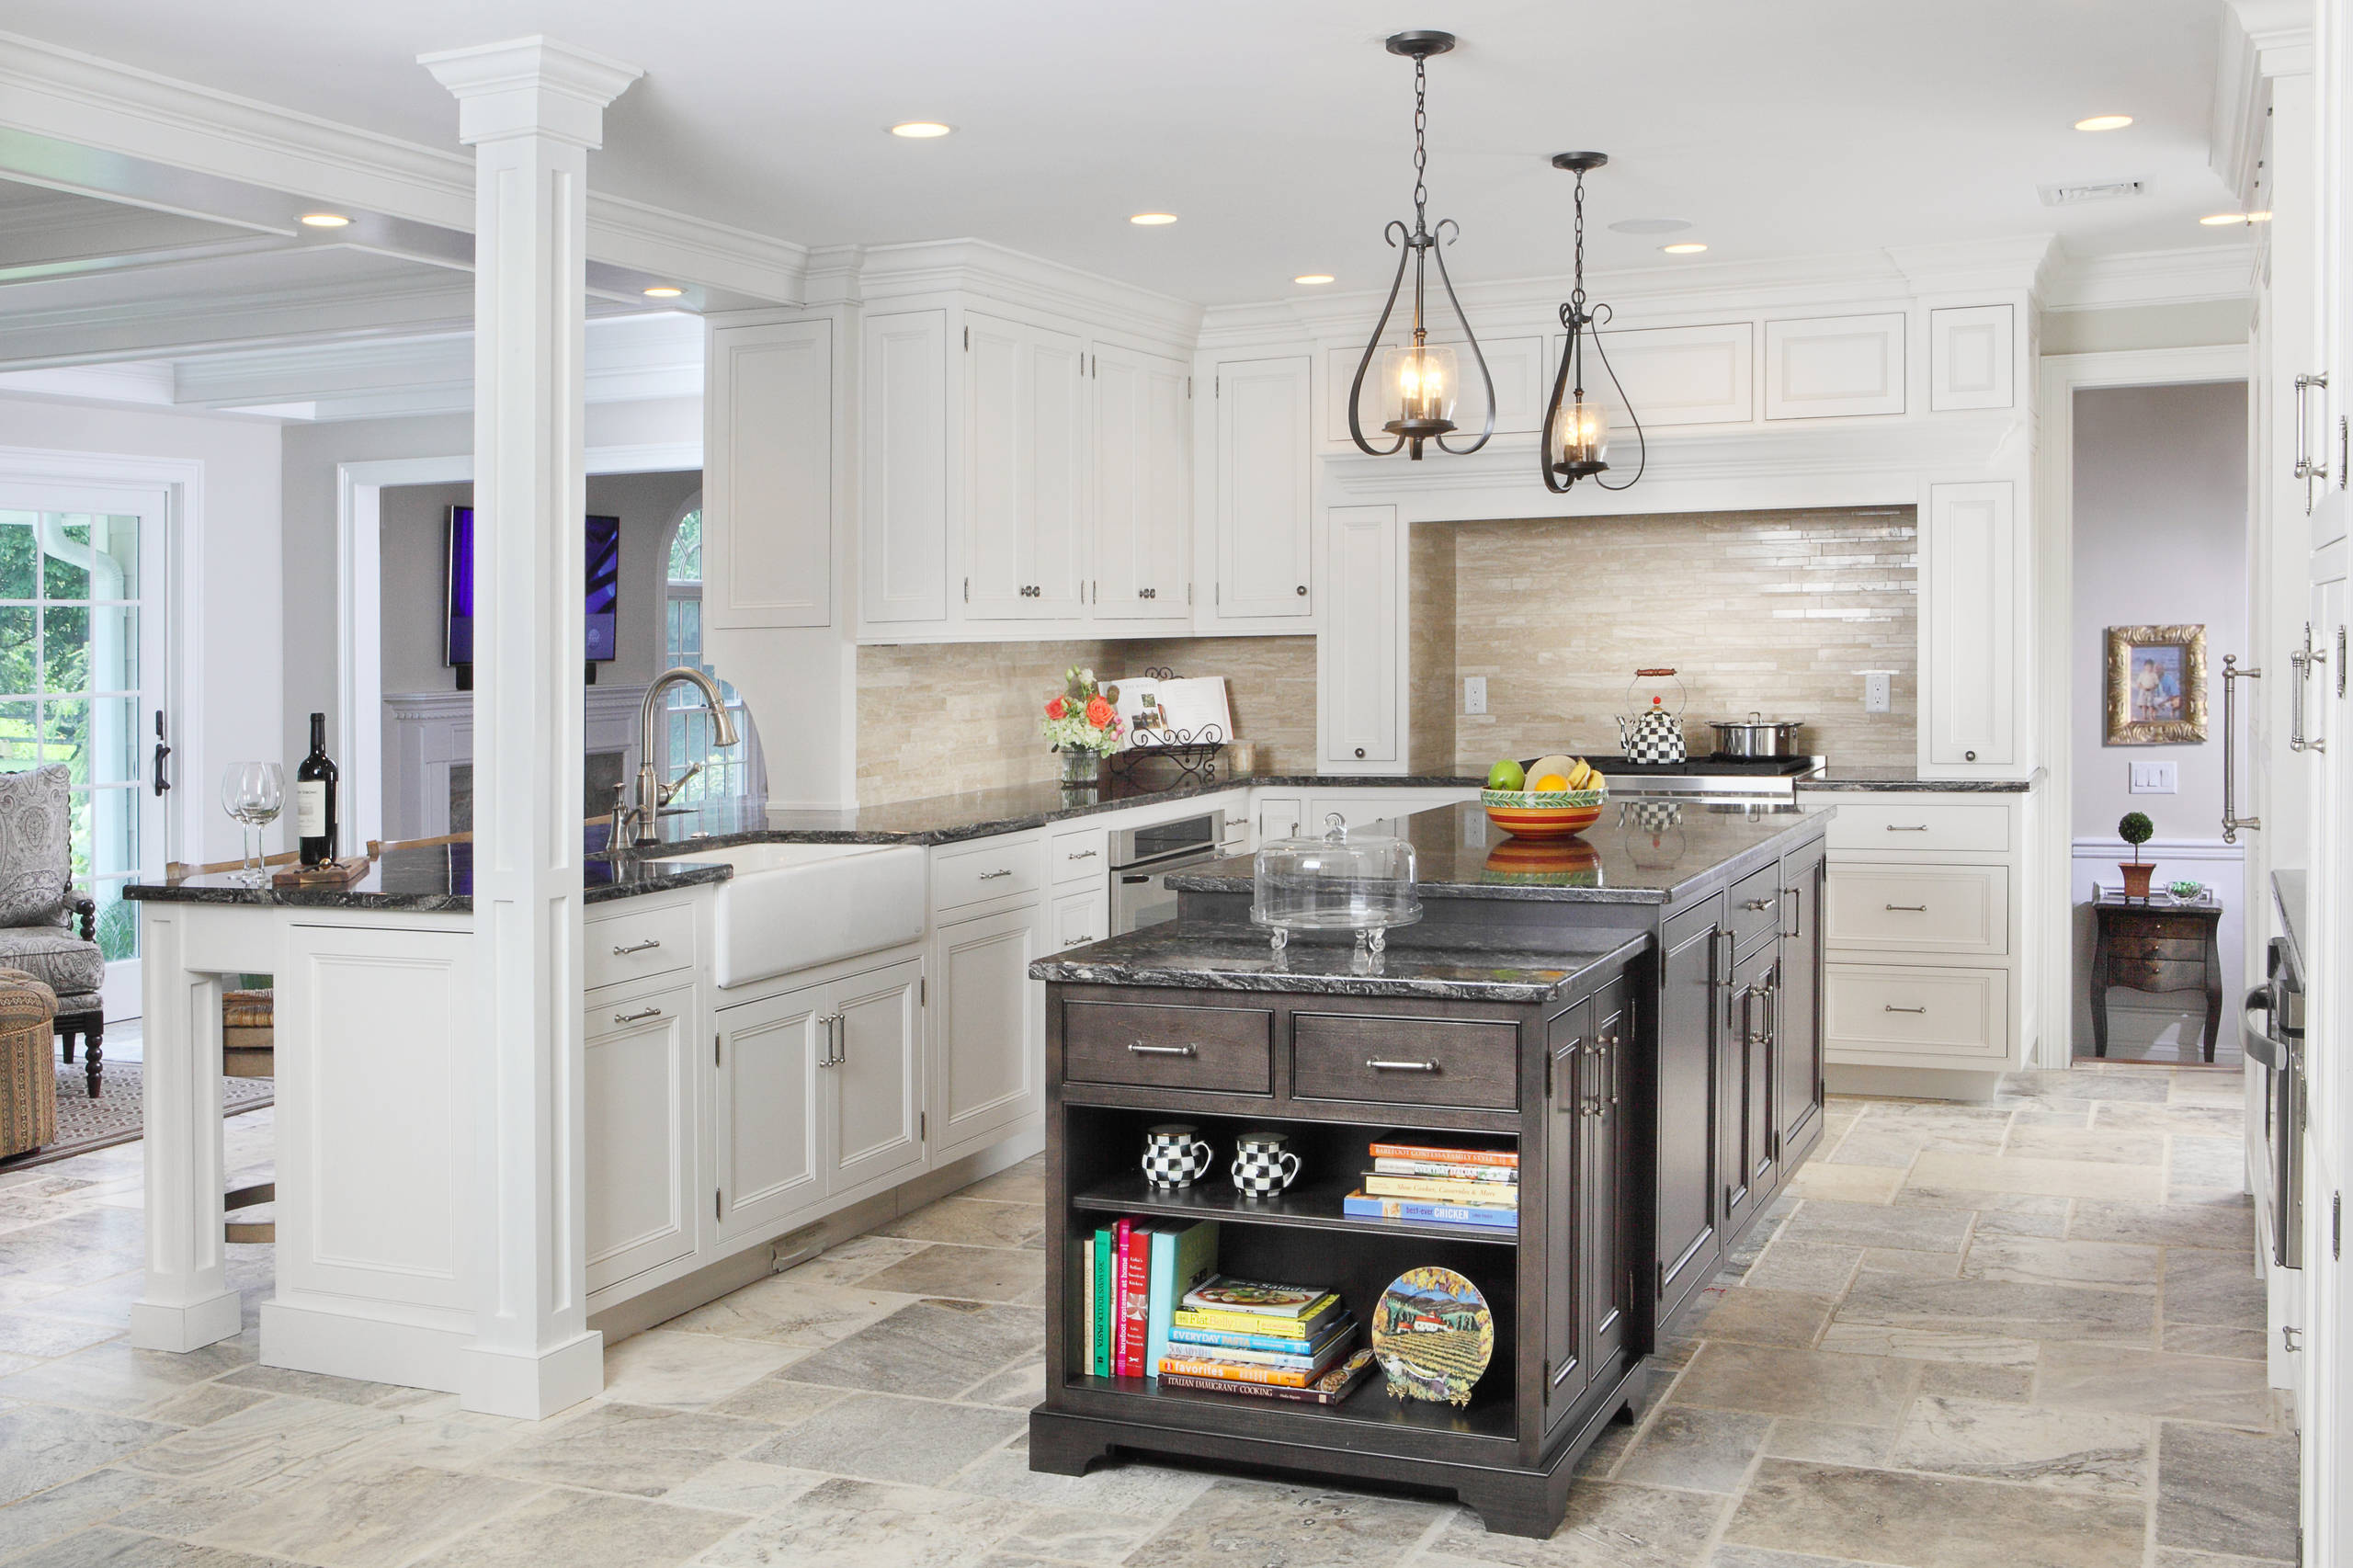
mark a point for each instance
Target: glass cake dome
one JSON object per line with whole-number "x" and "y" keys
{"x": 1361, "y": 883}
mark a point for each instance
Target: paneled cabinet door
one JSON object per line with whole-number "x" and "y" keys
{"x": 988, "y": 1029}
{"x": 1797, "y": 1006}
{"x": 637, "y": 1074}
{"x": 1082, "y": 917}
{"x": 1143, "y": 441}
{"x": 1264, "y": 526}
{"x": 1745, "y": 1088}
{"x": 1024, "y": 443}
{"x": 1604, "y": 1157}
{"x": 768, "y": 490}
{"x": 1358, "y": 655}
{"x": 1968, "y": 602}
{"x": 768, "y": 1109}
{"x": 1569, "y": 1043}
{"x": 1689, "y": 1024}
{"x": 904, "y": 449}
{"x": 873, "y": 1089}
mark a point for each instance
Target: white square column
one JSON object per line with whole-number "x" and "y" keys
{"x": 531, "y": 109}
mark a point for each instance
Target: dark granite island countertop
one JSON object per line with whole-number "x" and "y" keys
{"x": 1640, "y": 852}
{"x": 1902, "y": 778}
{"x": 1230, "y": 958}
{"x": 432, "y": 880}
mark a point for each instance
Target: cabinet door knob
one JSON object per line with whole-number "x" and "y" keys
{"x": 1968, "y": 756}
{"x": 1301, "y": 590}
{"x": 1360, "y": 753}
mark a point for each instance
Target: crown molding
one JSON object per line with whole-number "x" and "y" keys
{"x": 2186, "y": 277}
{"x": 2260, "y": 39}
{"x": 927, "y": 267}
{"x": 146, "y": 382}
{"x": 531, "y": 87}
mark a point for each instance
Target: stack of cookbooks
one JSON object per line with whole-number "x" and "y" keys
{"x": 1287, "y": 1342}
{"x": 1466, "y": 1183}
{"x": 1130, "y": 1282}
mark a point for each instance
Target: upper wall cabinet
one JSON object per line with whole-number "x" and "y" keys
{"x": 1357, "y": 663}
{"x": 1970, "y": 358}
{"x": 1829, "y": 366}
{"x": 1969, "y": 595}
{"x": 768, "y": 493}
{"x": 1673, "y": 375}
{"x": 1518, "y": 366}
{"x": 903, "y": 469}
{"x": 1025, "y": 437}
{"x": 1263, "y": 496}
{"x": 1142, "y": 489}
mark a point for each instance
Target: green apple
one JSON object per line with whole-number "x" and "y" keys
{"x": 1506, "y": 775}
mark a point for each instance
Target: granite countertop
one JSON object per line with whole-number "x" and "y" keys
{"x": 1901, "y": 777}
{"x": 1640, "y": 852}
{"x": 1231, "y": 957}
{"x": 437, "y": 880}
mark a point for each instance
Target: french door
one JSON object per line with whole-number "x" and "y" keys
{"x": 83, "y": 683}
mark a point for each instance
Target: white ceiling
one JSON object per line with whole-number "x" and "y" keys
{"x": 1280, "y": 132}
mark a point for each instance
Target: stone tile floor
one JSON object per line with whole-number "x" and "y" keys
{"x": 2021, "y": 1334}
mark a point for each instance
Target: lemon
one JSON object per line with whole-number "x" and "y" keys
{"x": 1506, "y": 775}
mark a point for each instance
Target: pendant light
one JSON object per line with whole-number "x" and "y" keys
{"x": 1577, "y": 432}
{"x": 1418, "y": 382}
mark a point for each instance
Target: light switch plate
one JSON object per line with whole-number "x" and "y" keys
{"x": 2157, "y": 779}
{"x": 1474, "y": 694}
{"x": 1879, "y": 691}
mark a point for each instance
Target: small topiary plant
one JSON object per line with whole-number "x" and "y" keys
{"x": 2136, "y": 829}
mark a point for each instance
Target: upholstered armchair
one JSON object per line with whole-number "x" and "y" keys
{"x": 27, "y": 1083}
{"x": 47, "y": 930}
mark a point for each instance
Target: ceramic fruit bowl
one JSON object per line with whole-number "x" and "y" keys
{"x": 1559, "y": 814}
{"x": 1543, "y": 863}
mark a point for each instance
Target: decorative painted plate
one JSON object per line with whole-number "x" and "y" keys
{"x": 1434, "y": 1334}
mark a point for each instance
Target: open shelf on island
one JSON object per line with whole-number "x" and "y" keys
{"x": 1489, "y": 1414}
{"x": 1307, "y": 1205}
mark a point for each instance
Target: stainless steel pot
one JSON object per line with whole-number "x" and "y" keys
{"x": 1756, "y": 736}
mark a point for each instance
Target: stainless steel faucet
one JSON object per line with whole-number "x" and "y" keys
{"x": 638, "y": 821}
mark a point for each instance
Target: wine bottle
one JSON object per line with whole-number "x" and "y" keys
{"x": 315, "y": 806}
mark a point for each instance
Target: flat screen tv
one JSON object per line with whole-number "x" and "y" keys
{"x": 602, "y": 592}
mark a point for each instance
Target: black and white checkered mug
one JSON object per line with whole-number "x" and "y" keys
{"x": 1174, "y": 1156}
{"x": 1263, "y": 1163}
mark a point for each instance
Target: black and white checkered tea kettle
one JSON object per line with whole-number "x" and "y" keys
{"x": 1652, "y": 735}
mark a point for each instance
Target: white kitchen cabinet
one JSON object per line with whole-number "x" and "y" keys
{"x": 987, "y": 1028}
{"x": 768, "y": 1109}
{"x": 1279, "y": 816}
{"x": 1970, "y": 594}
{"x": 1672, "y": 376}
{"x": 1025, "y": 456}
{"x": 1972, "y": 358}
{"x": 904, "y": 456}
{"x": 1142, "y": 445}
{"x": 1824, "y": 366}
{"x": 1263, "y": 522}
{"x": 871, "y": 1092}
{"x": 640, "y": 1082}
{"x": 1357, "y": 657}
{"x": 1078, "y": 919}
{"x": 768, "y": 493}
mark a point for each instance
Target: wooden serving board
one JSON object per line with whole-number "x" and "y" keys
{"x": 327, "y": 873}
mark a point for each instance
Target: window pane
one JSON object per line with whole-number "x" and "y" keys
{"x": 116, "y": 558}
{"x": 78, "y": 813}
{"x": 65, "y": 730}
{"x": 118, "y": 922}
{"x": 19, "y": 741}
{"x": 114, "y": 647}
{"x": 685, "y": 549}
{"x": 114, "y": 832}
{"x": 18, "y": 651}
{"x": 114, "y": 740}
{"x": 65, "y": 648}
{"x": 17, "y": 555}
{"x": 65, "y": 542}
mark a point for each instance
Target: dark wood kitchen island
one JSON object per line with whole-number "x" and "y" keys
{"x": 1636, "y": 1009}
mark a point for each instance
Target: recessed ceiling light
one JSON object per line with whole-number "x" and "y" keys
{"x": 920, "y": 129}
{"x": 1649, "y": 225}
{"x": 1312, "y": 277}
{"x": 1687, "y": 247}
{"x": 2223, "y": 220}
{"x": 2105, "y": 122}
{"x": 1151, "y": 220}
{"x": 664, "y": 292}
{"x": 325, "y": 221}
{"x": 2259, "y": 217}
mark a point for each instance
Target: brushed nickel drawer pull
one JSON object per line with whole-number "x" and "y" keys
{"x": 1893, "y": 1008}
{"x": 646, "y": 945}
{"x": 1080, "y": 855}
{"x": 992, "y": 876}
{"x": 1138, "y": 1048}
{"x": 1909, "y": 908}
{"x": 1759, "y": 905}
{"x": 1907, "y": 827}
{"x": 637, "y": 1018}
{"x": 1380, "y": 1066}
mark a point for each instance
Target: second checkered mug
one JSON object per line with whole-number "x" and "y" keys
{"x": 1263, "y": 1163}
{"x": 1174, "y": 1156}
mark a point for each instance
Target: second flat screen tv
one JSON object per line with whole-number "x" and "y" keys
{"x": 602, "y": 593}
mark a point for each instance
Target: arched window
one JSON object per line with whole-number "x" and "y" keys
{"x": 727, "y": 771}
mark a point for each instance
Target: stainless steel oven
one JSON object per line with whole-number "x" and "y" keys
{"x": 1141, "y": 856}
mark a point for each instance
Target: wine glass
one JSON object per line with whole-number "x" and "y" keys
{"x": 253, "y": 794}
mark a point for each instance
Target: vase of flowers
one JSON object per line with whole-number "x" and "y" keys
{"x": 1083, "y": 724}
{"x": 2136, "y": 829}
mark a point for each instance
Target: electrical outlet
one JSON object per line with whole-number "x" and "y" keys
{"x": 2157, "y": 779}
{"x": 1474, "y": 694}
{"x": 1879, "y": 691}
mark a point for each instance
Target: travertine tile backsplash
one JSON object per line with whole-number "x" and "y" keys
{"x": 942, "y": 717}
{"x": 1775, "y": 611}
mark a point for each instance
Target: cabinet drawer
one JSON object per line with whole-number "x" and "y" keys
{"x": 1885, "y": 825}
{"x": 1920, "y": 909}
{"x": 2158, "y": 974}
{"x": 1754, "y": 907}
{"x": 1078, "y": 856}
{"x": 994, "y": 869}
{"x": 642, "y": 942}
{"x": 1404, "y": 1061}
{"x": 2136, "y": 930}
{"x": 2192, "y": 949}
{"x": 1227, "y": 1049}
{"x": 1078, "y": 919}
{"x": 1889, "y": 1009}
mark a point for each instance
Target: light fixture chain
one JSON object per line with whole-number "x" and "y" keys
{"x": 1577, "y": 291}
{"x": 1421, "y": 149}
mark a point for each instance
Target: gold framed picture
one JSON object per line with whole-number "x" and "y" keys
{"x": 2156, "y": 686}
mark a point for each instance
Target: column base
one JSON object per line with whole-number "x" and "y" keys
{"x": 533, "y": 1387}
{"x": 184, "y": 1328}
{"x": 306, "y": 1337}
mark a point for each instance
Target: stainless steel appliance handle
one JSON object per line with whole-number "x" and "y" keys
{"x": 2261, "y": 1045}
{"x": 2231, "y": 821}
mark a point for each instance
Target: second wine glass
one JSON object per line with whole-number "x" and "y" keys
{"x": 253, "y": 794}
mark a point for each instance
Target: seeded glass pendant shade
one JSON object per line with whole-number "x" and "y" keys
{"x": 1576, "y": 429}
{"x": 1416, "y": 384}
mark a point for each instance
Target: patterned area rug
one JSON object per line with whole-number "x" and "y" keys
{"x": 84, "y": 1124}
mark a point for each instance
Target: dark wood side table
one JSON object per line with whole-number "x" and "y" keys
{"x": 2156, "y": 945}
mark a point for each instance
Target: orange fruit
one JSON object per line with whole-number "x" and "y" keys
{"x": 1552, "y": 784}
